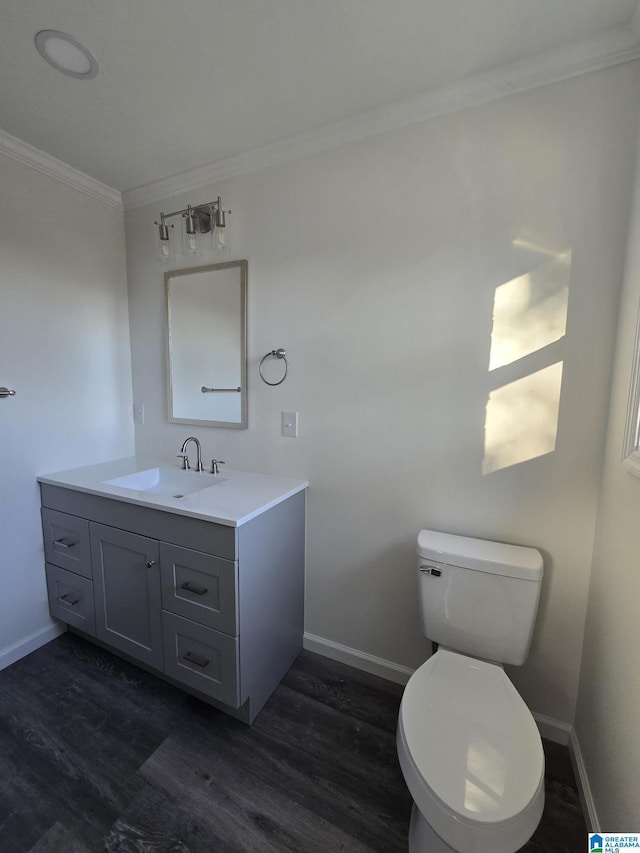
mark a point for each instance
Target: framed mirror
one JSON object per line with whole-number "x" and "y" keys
{"x": 207, "y": 345}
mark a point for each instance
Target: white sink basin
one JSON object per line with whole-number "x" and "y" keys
{"x": 167, "y": 482}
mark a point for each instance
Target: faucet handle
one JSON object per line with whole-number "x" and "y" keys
{"x": 185, "y": 461}
{"x": 214, "y": 466}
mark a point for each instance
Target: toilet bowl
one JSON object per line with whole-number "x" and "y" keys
{"x": 471, "y": 756}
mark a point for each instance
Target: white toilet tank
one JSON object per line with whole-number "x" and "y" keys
{"x": 478, "y": 597}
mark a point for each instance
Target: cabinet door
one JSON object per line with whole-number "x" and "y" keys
{"x": 126, "y": 578}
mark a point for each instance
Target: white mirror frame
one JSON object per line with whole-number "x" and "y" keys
{"x": 631, "y": 446}
{"x": 170, "y": 278}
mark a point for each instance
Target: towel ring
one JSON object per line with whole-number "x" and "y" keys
{"x": 278, "y": 353}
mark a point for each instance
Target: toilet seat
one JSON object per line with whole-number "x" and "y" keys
{"x": 471, "y": 754}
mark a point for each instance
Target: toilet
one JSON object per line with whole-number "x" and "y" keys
{"x": 468, "y": 746}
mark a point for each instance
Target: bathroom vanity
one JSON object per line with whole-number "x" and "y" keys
{"x": 195, "y": 577}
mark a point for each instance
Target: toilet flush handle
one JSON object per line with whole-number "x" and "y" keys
{"x": 431, "y": 570}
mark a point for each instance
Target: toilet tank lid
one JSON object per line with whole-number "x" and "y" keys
{"x": 516, "y": 561}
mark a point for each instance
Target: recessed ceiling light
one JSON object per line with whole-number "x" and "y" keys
{"x": 66, "y": 54}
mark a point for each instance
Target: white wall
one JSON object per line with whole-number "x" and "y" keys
{"x": 64, "y": 348}
{"x": 375, "y": 265}
{"x": 608, "y": 708}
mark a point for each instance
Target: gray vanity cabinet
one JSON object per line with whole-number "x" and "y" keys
{"x": 126, "y": 584}
{"x": 214, "y": 609}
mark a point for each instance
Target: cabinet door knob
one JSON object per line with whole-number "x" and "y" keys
{"x": 150, "y": 563}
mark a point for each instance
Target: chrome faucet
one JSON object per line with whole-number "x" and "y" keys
{"x": 185, "y": 456}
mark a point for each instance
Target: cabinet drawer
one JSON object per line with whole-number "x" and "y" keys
{"x": 199, "y": 587}
{"x": 201, "y": 658}
{"x": 66, "y": 541}
{"x": 71, "y": 598}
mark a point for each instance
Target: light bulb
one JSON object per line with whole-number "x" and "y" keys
{"x": 190, "y": 243}
{"x": 219, "y": 239}
{"x": 190, "y": 236}
{"x": 164, "y": 248}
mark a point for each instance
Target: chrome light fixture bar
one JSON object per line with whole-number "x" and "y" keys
{"x": 200, "y": 220}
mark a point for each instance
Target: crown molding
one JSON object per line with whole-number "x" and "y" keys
{"x": 614, "y": 47}
{"x": 42, "y": 162}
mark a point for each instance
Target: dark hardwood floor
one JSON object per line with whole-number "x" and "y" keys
{"x": 97, "y": 755}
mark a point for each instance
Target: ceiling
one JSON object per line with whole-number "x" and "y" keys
{"x": 188, "y": 83}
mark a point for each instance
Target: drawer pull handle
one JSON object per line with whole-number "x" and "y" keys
{"x": 191, "y": 587}
{"x": 63, "y": 543}
{"x": 192, "y": 657}
{"x": 150, "y": 564}
{"x": 65, "y": 599}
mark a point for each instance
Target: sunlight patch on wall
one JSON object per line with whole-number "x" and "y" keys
{"x": 530, "y": 312}
{"x": 522, "y": 419}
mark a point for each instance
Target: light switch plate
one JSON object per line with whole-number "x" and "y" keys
{"x": 138, "y": 413}
{"x": 290, "y": 424}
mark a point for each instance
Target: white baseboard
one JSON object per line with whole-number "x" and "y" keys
{"x": 29, "y": 644}
{"x": 360, "y": 660}
{"x": 584, "y": 788}
{"x": 553, "y": 730}
{"x": 565, "y": 734}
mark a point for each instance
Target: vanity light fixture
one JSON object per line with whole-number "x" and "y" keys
{"x": 203, "y": 219}
{"x": 66, "y": 54}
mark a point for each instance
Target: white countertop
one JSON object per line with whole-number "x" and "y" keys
{"x": 237, "y": 497}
